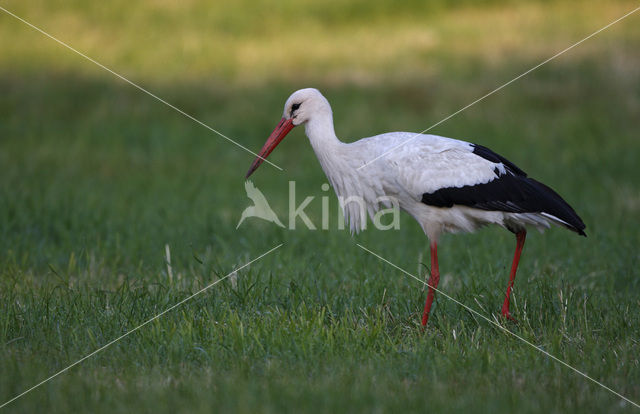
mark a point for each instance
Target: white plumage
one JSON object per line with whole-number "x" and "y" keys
{"x": 447, "y": 185}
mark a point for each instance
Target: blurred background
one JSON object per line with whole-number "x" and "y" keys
{"x": 89, "y": 162}
{"x": 97, "y": 177}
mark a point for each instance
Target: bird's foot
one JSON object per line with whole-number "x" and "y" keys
{"x": 507, "y": 315}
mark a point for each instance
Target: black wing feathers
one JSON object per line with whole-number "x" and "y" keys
{"x": 487, "y": 154}
{"x": 512, "y": 192}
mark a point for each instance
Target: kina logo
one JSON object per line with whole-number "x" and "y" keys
{"x": 260, "y": 208}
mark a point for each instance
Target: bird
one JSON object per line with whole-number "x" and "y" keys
{"x": 446, "y": 185}
{"x": 260, "y": 208}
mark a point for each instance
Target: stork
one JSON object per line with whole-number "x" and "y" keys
{"x": 446, "y": 185}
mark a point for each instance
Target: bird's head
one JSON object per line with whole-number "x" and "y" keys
{"x": 301, "y": 107}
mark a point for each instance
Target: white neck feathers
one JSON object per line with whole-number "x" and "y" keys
{"x": 355, "y": 192}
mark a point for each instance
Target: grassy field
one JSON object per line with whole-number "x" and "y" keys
{"x": 97, "y": 178}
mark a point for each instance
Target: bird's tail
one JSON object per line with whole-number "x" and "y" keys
{"x": 556, "y": 209}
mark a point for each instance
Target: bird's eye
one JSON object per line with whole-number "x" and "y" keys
{"x": 294, "y": 107}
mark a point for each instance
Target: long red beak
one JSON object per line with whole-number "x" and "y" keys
{"x": 281, "y": 131}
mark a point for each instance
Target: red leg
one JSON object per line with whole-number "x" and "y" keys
{"x": 433, "y": 282}
{"x": 520, "y": 236}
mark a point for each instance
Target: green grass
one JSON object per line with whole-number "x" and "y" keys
{"x": 98, "y": 177}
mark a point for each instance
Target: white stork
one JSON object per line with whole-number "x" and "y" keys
{"x": 445, "y": 184}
